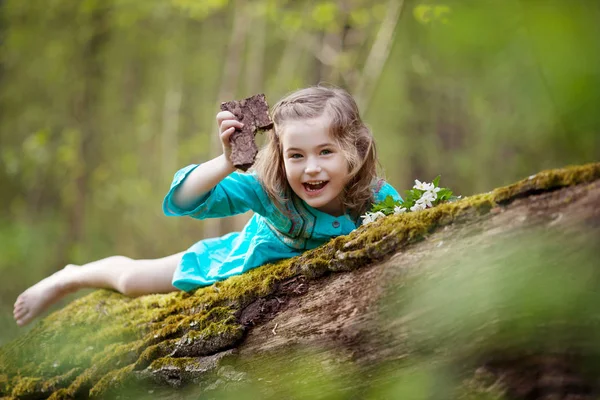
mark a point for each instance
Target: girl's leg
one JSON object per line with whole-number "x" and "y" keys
{"x": 130, "y": 277}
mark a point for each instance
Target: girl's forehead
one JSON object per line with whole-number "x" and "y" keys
{"x": 305, "y": 133}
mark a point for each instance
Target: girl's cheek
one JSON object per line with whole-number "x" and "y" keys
{"x": 295, "y": 167}
{"x": 292, "y": 169}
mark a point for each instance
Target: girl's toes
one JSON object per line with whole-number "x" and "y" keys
{"x": 19, "y": 311}
{"x": 23, "y": 320}
{"x": 19, "y": 305}
{"x": 22, "y": 300}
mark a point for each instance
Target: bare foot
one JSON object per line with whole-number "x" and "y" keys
{"x": 43, "y": 294}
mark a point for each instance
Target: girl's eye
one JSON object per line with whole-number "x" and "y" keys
{"x": 326, "y": 151}
{"x": 296, "y": 155}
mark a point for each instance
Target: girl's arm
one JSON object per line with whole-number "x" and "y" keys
{"x": 207, "y": 175}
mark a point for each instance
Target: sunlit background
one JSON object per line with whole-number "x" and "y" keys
{"x": 101, "y": 101}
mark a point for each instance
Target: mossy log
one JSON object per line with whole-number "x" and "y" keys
{"x": 492, "y": 296}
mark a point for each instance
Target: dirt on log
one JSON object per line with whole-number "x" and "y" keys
{"x": 494, "y": 296}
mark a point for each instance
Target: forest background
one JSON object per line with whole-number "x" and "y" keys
{"x": 101, "y": 101}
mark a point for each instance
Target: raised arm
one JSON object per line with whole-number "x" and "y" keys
{"x": 207, "y": 175}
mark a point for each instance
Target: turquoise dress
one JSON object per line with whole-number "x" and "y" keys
{"x": 273, "y": 233}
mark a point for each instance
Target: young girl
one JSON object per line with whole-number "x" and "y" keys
{"x": 312, "y": 181}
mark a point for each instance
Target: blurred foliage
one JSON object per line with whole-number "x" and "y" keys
{"x": 521, "y": 301}
{"x": 101, "y": 101}
{"x": 534, "y": 292}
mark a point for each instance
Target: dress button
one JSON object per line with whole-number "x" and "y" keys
{"x": 336, "y": 224}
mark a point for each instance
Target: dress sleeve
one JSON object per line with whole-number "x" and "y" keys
{"x": 235, "y": 194}
{"x": 384, "y": 189}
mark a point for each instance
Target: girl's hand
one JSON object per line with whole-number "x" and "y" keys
{"x": 227, "y": 125}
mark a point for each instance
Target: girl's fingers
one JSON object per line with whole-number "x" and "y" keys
{"x": 230, "y": 123}
{"x": 226, "y": 120}
{"x": 223, "y": 115}
{"x": 226, "y": 134}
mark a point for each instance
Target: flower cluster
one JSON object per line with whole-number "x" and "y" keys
{"x": 423, "y": 195}
{"x": 429, "y": 194}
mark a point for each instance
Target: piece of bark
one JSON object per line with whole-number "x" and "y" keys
{"x": 253, "y": 112}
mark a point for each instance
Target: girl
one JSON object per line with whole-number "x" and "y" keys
{"x": 312, "y": 181}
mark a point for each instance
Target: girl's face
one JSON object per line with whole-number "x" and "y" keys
{"x": 315, "y": 166}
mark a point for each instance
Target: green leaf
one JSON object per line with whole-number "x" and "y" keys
{"x": 444, "y": 194}
{"x": 386, "y": 206}
{"x": 436, "y": 181}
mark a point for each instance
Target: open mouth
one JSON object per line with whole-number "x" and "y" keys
{"x": 314, "y": 186}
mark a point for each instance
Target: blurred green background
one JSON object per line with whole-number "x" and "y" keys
{"x": 101, "y": 101}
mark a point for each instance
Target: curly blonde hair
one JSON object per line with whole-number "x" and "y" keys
{"x": 346, "y": 128}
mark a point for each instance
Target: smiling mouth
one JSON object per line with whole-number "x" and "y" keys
{"x": 314, "y": 186}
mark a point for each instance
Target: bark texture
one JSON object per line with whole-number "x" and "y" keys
{"x": 253, "y": 112}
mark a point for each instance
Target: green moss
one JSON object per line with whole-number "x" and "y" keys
{"x": 107, "y": 335}
{"x": 61, "y": 381}
{"x": 112, "y": 382}
{"x": 38, "y": 387}
{"x": 61, "y": 394}
{"x": 213, "y": 338}
{"x": 481, "y": 386}
{"x": 177, "y": 325}
{"x": 4, "y": 385}
{"x": 118, "y": 353}
{"x": 81, "y": 385}
{"x": 27, "y": 386}
{"x": 548, "y": 180}
{"x": 183, "y": 363}
{"x": 154, "y": 352}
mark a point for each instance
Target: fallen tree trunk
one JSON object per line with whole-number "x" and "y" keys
{"x": 489, "y": 297}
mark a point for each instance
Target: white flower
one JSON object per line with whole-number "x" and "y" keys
{"x": 423, "y": 185}
{"x": 372, "y": 217}
{"x": 377, "y": 215}
{"x": 418, "y": 207}
{"x": 426, "y": 199}
{"x": 422, "y": 202}
{"x": 367, "y": 219}
{"x": 399, "y": 210}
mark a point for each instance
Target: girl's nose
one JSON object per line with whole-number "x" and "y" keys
{"x": 312, "y": 169}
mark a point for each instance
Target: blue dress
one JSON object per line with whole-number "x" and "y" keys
{"x": 273, "y": 233}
